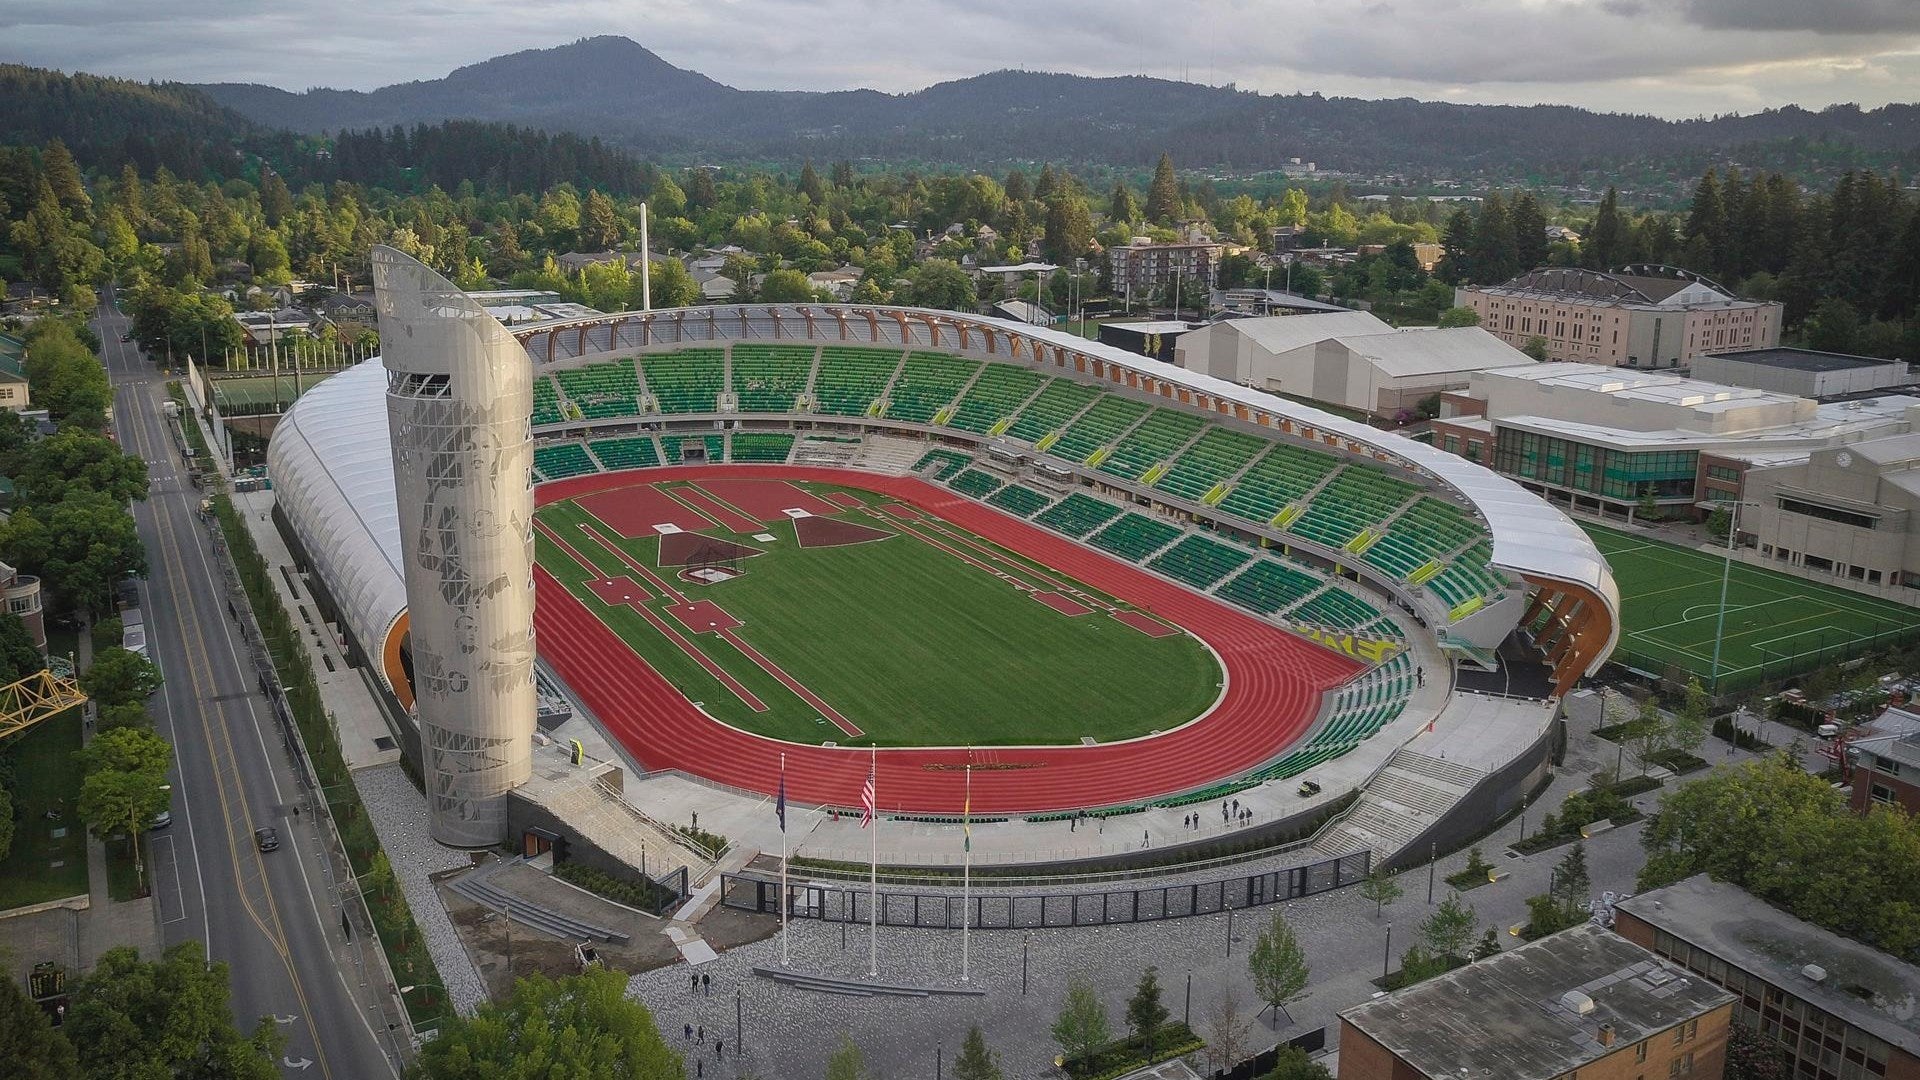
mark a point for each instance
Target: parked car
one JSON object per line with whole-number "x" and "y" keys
{"x": 161, "y": 820}
{"x": 265, "y": 838}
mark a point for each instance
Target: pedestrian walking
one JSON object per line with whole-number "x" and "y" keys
{"x": 706, "y": 984}
{"x": 699, "y": 1068}
{"x": 703, "y": 1033}
{"x": 696, "y": 984}
{"x": 1236, "y": 806}
{"x": 1223, "y": 813}
{"x": 719, "y": 1049}
{"x": 689, "y": 1028}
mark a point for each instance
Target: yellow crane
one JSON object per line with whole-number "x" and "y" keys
{"x": 35, "y": 698}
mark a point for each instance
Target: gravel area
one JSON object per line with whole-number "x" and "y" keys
{"x": 399, "y": 815}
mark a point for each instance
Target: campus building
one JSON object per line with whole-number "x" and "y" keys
{"x": 1142, "y": 268}
{"x": 1885, "y": 770}
{"x": 1846, "y": 1011}
{"x": 1585, "y": 1002}
{"x": 1642, "y": 316}
{"x": 1801, "y": 372}
{"x": 1349, "y": 359}
{"x": 1604, "y": 440}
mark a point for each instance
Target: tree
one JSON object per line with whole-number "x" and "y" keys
{"x": 1081, "y": 1028}
{"x": 1834, "y": 326}
{"x": 63, "y": 177}
{"x": 19, "y": 656}
{"x": 1570, "y": 874}
{"x": 671, "y": 285}
{"x": 1690, "y": 724}
{"x": 940, "y": 283}
{"x": 1536, "y": 347}
{"x": 846, "y": 1063}
{"x": 1605, "y": 244}
{"x": 1278, "y": 965}
{"x": 1546, "y": 915}
{"x": 84, "y": 546}
{"x": 785, "y": 287}
{"x": 120, "y": 677}
{"x": 1494, "y": 257}
{"x": 580, "y": 1026}
{"x": 1069, "y": 227}
{"x": 72, "y": 459}
{"x": 1459, "y": 316}
{"x": 1381, "y": 888}
{"x": 1163, "y": 194}
{"x": 1293, "y": 207}
{"x": 1752, "y": 1055}
{"x": 64, "y": 376}
{"x": 1489, "y": 945}
{"x": 165, "y": 1018}
{"x": 6, "y": 842}
{"x": 1719, "y": 523}
{"x": 1121, "y": 205}
{"x": 975, "y": 1061}
{"x": 31, "y": 1048}
{"x": 1227, "y": 1030}
{"x": 599, "y": 223}
{"x": 1649, "y": 735}
{"x": 1292, "y": 1063}
{"x": 1529, "y": 233}
{"x": 1145, "y": 1011}
{"x": 1449, "y": 930}
{"x": 124, "y": 785}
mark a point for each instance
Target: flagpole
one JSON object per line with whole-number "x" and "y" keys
{"x": 966, "y": 870}
{"x": 783, "y": 859}
{"x": 873, "y": 868}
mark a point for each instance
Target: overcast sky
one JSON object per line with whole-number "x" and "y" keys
{"x": 1674, "y": 58}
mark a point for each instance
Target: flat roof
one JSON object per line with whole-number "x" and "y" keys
{"x": 1429, "y": 350}
{"x": 1804, "y": 359}
{"x": 1156, "y": 326}
{"x": 1644, "y": 386}
{"x": 1864, "y": 986}
{"x": 1516, "y": 1015}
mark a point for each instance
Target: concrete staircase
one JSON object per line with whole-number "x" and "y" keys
{"x": 1404, "y": 799}
{"x": 479, "y": 888}
{"x": 890, "y": 455}
{"x": 810, "y": 451}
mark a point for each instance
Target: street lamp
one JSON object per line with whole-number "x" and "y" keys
{"x": 1726, "y": 572}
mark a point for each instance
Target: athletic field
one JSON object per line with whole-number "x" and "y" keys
{"x": 1777, "y": 625}
{"x": 864, "y": 621}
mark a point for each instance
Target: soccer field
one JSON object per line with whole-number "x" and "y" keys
{"x": 1777, "y": 625}
{"x": 910, "y": 632}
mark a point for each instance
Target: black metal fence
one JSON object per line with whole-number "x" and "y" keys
{"x": 993, "y": 909}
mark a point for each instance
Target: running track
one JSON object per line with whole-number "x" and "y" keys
{"x": 1275, "y": 682}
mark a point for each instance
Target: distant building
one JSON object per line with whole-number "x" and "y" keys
{"x": 14, "y": 393}
{"x": 1344, "y": 358}
{"x": 1850, "y": 511}
{"x": 263, "y": 328}
{"x": 347, "y": 309}
{"x": 1273, "y": 302}
{"x": 22, "y": 595}
{"x": 518, "y": 307}
{"x": 1803, "y": 372}
{"x": 1023, "y": 311}
{"x": 839, "y": 282}
{"x": 1644, "y": 317}
{"x": 1143, "y": 268}
{"x": 1844, "y": 1010}
{"x": 1885, "y": 770}
{"x": 1156, "y": 338}
{"x": 575, "y": 261}
{"x": 1585, "y": 1002}
{"x": 1288, "y": 237}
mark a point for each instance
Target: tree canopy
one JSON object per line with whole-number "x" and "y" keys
{"x": 582, "y": 1027}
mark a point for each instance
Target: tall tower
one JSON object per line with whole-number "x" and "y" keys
{"x": 459, "y": 406}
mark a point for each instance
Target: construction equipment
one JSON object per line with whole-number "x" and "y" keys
{"x": 35, "y": 698}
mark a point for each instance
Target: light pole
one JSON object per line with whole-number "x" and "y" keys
{"x": 1726, "y": 572}
{"x": 1386, "y": 954}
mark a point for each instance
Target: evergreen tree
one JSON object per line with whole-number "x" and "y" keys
{"x": 1069, "y": 228}
{"x": 811, "y": 185}
{"x": 1016, "y": 187}
{"x": 1570, "y": 876}
{"x": 1529, "y": 232}
{"x": 1456, "y": 264}
{"x": 700, "y": 190}
{"x": 63, "y": 176}
{"x": 975, "y": 1061}
{"x": 1045, "y": 184}
{"x": 1121, "y": 205}
{"x": 1494, "y": 258}
{"x": 1163, "y": 194}
{"x": 1706, "y": 225}
{"x": 1145, "y": 1011}
{"x": 599, "y": 223}
{"x": 1605, "y": 244}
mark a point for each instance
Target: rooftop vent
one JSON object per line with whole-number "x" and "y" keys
{"x": 1605, "y": 1035}
{"x": 1576, "y": 1002}
{"x": 1814, "y": 973}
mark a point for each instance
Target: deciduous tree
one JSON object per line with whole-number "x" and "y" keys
{"x": 582, "y": 1027}
{"x": 1081, "y": 1027}
{"x": 31, "y": 1048}
{"x": 1278, "y": 965}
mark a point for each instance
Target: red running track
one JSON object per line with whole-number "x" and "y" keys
{"x": 1274, "y": 684}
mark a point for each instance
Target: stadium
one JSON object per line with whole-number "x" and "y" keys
{"x": 1020, "y": 575}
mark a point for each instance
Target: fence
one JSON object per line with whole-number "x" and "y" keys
{"x": 993, "y": 909}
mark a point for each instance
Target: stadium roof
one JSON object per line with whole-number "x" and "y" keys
{"x": 1434, "y": 351}
{"x": 1281, "y": 333}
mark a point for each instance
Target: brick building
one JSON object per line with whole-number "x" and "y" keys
{"x": 1583, "y": 1004}
{"x": 1644, "y": 317}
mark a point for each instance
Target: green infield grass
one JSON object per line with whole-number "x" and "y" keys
{"x": 910, "y": 643}
{"x": 1777, "y": 625}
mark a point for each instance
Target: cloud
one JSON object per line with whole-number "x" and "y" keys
{"x": 1674, "y": 59}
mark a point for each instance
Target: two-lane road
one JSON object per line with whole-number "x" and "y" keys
{"x": 273, "y": 917}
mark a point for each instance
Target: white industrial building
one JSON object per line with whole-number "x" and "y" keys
{"x": 1804, "y": 372}
{"x": 1349, "y": 359}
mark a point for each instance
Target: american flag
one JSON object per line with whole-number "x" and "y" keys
{"x": 866, "y": 799}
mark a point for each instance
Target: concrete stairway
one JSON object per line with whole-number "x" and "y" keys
{"x": 1404, "y": 799}
{"x": 478, "y": 888}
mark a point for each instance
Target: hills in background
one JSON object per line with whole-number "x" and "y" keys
{"x": 618, "y": 90}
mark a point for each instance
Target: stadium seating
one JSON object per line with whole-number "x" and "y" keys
{"x": 687, "y": 381}
{"x": 558, "y": 460}
{"x": 1200, "y": 562}
{"x": 1466, "y": 579}
{"x": 1351, "y": 502}
{"x": 1019, "y": 501}
{"x": 928, "y": 383}
{"x": 1077, "y": 515}
{"x": 1157, "y": 438}
{"x": 1219, "y": 454}
{"x": 762, "y": 446}
{"x": 626, "y": 453}
{"x": 602, "y": 390}
{"x": 994, "y": 397}
{"x": 851, "y": 378}
{"x": 1269, "y": 585}
{"x": 1097, "y": 427}
{"x": 1335, "y": 608}
{"x": 948, "y": 462}
{"x": 674, "y": 446}
{"x": 1428, "y": 531}
{"x": 1285, "y": 475}
{"x": 1135, "y": 536}
{"x": 770, "y": 378}
{"x": 975, "y": 484}
{"x": 546, "y": 402}
{"x": 1054, "y": 407}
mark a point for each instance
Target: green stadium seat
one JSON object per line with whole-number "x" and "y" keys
{"x": 1200, "y": 562}
{"x": 602, "y": 390}
{"x": 1355, "y": 500}
{"x": 546, "y": 401}
{"x": 556, "y": 461}
{"x": 626, "y": 453}
{"x": 762, "y": 446}
{"x": 771, "y": 378}
{"x": 975, "y": 484}
{"x": 1219, "y": 454}
{"x": 995, "y": 396}
{"x": 928, "y": 383}
{"x": 1019, "y": 501}
{"x": 1077, "y": 515}
{"x": 1135, "y": 536}
{"x": 674, "y": 447}
{"x": 688, "y": 381}
{"x": 1282, "y": 477}
{"x": 1054, "y": 406}
{"x": 1157, "y": 438}
{"x": 948, "y": 462}
{"x": 852, "y": 378}
{"x": 1097, "y": 427}
{"x": 1269, "y": 585}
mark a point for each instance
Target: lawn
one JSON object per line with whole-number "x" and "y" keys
{"x": 911, "y": 644}
{"x": 1777, "y": 625}
{"x": 44, "y": 776}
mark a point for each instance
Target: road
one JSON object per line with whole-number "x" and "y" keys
{"x": 274, "y": 918}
